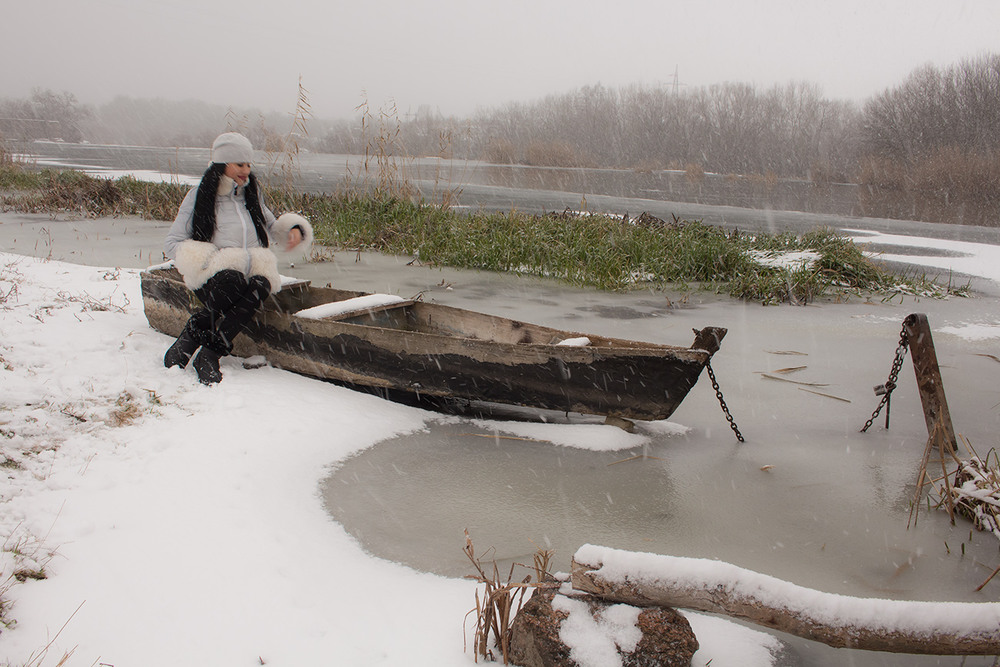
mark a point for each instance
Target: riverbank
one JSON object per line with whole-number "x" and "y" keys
{"x": 607, "y": 252}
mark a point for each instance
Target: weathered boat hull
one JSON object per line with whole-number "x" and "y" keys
{"x": 436, "y": 350}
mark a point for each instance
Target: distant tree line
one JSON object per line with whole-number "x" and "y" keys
{"x": 935, "y": 109}
{"x": 927, "y": 149}
{"x": 44, "y": 115}
{"x": 934, "y": 137}
{"x": 930, "y": 147}
{"x": 727, "y": 128}
{"x": 132, "y": 121}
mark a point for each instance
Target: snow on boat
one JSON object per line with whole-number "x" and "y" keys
{"x": 390, "y": 343}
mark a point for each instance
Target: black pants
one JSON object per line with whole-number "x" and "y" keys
{"x": 230, "y": 301}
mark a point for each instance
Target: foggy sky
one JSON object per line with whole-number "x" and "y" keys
{"x": 460, "y": 55}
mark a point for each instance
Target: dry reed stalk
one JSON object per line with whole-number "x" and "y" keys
{"x": 975, "y": 493}
{"x": 495, "y": 611}
{"x": 35, "y": 659}
{"x": 542, "y": 562}
{"x": 988, "y": 579}
{"x": 808, "y": 384}
{"x": 935, "y": 439}
{"x": 384, "y": 148}
{"x": 289, "y": 167}
{"x": 448, "y": 197}
{"x": 819, "y": 393}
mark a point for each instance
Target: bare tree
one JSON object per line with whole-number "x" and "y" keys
{"x": 957, "y": 107}
{"x": 45, "y": 115}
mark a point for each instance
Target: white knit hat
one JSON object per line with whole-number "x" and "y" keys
{"x": 232, "y": 147}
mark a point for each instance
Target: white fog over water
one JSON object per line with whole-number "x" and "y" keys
{"x": 455, "y": 57}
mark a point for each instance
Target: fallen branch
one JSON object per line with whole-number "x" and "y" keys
{"x": 897, "y": 626}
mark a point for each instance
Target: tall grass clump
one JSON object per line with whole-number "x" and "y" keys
{"x": 13, "y": 174}
{"x": 51, "y": 191}
{"x": 832, "y": 263}
{"x": 610, "y": 253}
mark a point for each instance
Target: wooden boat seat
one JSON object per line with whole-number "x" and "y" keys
{"x": 369, "y": 304}
{"x": 293, "y": 284}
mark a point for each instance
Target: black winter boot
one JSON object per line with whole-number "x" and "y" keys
{"x": 206, "y": 363}
{"x": 179, "y": 354}
{"x": 241, "y": 312}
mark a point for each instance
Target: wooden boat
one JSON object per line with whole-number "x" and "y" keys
{"x": 378, "y": 341}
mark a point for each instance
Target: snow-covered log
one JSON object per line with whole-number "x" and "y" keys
{"x": 934, "y": 628}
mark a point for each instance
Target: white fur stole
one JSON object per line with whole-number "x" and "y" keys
{"x": 198, "y": 261}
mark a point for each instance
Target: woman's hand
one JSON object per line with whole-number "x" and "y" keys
{"x": 294, "y": 238}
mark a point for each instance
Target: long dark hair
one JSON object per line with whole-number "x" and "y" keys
{"x": 204, "y": 205}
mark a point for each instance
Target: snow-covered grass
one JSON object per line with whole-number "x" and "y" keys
{"x": 785, "y": 260}
{"x": 177, "y": 524}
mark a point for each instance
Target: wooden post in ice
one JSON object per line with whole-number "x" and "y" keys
{"x": 925, "y": 365}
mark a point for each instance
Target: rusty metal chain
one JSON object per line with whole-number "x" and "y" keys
{"x": 722, "y": 403}
{"x": 885, "y": 390}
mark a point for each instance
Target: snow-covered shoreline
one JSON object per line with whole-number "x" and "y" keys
{"x": 180, "y": 524}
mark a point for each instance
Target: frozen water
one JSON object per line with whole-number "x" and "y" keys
{"x": 806, "y": 498}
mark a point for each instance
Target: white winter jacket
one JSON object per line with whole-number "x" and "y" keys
{"x": 235, "y": 244}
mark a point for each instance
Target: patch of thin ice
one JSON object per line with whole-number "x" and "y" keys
{"x": 974, "y": 259}
{"x": 974, "y": 330}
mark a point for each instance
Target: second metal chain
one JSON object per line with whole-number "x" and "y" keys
{"x": 890, "y": 384}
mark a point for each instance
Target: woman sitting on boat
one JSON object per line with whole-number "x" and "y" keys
{"x": 220, "y": 244}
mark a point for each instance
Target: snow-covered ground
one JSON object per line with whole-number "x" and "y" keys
{"x": 179, "y": 524}
{"x": 182, "y": 524}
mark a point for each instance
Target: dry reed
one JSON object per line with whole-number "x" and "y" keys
{"x": 500, "y": 602}
{"x": 971, "y": 489}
